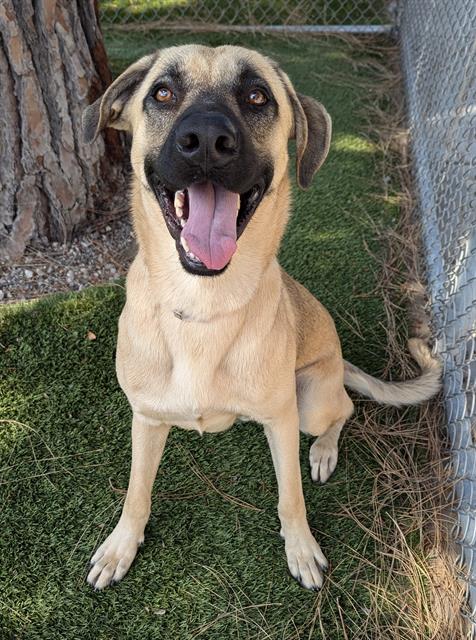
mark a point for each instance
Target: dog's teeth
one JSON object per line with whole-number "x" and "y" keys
{"x": 184, "y": 244}
{"x": 192, "y": 255}
{"x": 182, "y": 222}
{"x": 179, "y": 199}
{"x": 179, "y": 202}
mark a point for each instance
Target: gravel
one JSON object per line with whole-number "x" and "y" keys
{"x": 101, "y": 253}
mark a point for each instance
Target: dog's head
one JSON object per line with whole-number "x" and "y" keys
{"x": 210, "y": 131}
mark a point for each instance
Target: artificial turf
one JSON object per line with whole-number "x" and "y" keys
{"x": 212, "y": 567}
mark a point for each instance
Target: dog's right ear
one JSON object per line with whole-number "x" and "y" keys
{"x": 109, "y": 110}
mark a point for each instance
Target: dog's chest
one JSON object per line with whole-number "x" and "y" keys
{"x": 187, "y": 381}
{"x": 194, "y": 397}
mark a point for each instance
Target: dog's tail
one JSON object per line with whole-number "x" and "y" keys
{"x": 399, "y": 394}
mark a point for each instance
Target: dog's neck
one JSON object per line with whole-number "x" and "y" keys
{"x": 203, "y": 298}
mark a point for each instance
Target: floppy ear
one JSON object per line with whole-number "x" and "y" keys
{"x": 312, "y": 131}
{"x": 108, "y": 110}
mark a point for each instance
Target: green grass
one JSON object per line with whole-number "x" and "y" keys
{"x": 247, "y": 12}
{"x": 210, "y": 568}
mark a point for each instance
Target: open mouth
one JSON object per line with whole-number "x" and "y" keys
{"x": 206, "y": 220}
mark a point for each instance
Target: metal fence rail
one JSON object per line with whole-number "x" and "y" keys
{"x": 438, "y": 43}
{"x": 248, "y": 12}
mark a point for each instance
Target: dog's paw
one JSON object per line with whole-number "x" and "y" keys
{"x": 112, "y": 560}
{"x": 323, "y": 458}
{"x": 306, "y": 561}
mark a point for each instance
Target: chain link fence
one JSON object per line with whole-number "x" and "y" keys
{"x": 438, "y": 44}
{"x": 130, "y": 14}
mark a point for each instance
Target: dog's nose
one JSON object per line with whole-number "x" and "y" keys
{"x": 208, "y": 140}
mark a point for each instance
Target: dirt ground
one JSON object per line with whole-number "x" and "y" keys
{"x": 101, "y": 253}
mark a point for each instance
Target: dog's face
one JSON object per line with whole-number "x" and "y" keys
{"x": 210, "y": 131}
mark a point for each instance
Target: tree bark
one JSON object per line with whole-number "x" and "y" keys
{"x": 52, "y": 64}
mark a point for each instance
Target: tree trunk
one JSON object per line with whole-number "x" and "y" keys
{"x": 52, "y": 64}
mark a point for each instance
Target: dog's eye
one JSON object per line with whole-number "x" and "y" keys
{"x": 163, "y": 94}
{"x": 257, "y": 98}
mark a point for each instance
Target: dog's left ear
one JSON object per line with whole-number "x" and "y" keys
{"x": 109, "y": 109}
{"x": 312, "y": 131}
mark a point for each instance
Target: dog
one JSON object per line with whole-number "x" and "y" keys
{"x": 213, "y": 329}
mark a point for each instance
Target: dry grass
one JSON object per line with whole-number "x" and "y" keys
{"x": 414, "y": 592}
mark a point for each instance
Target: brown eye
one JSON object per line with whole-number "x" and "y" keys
{"x": 164, "y": 95}
{"x": 257, "y": 98}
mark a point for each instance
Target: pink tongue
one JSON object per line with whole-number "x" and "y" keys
{"x": 210, "y": 231}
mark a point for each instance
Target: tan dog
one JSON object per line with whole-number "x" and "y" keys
{"x": 213, "y": 328}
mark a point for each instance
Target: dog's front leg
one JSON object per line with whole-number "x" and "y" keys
{"x": 112, "y": 560}
{"x": 306, "y": 561}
